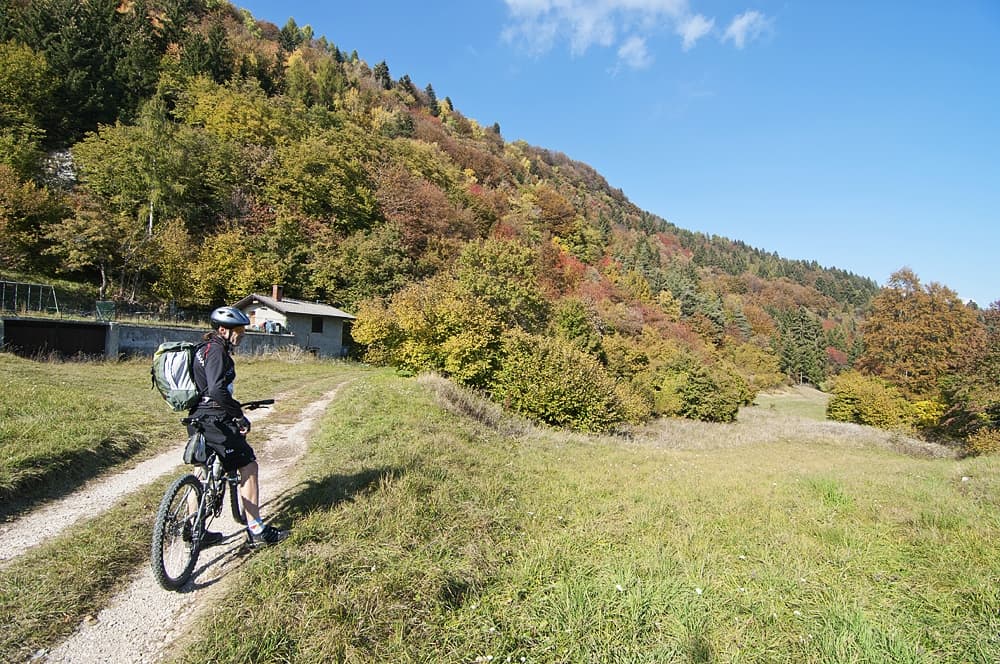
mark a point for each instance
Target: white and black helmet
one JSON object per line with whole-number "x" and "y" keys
{"x": 229, "y": 317}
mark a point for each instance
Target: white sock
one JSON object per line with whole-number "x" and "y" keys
{"x": 256, "y": 526}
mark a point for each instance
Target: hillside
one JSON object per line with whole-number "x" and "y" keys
{"x": 196, "y": 154}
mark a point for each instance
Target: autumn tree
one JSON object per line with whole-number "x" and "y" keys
{"x": 27, "y": 211}
{"x": 915, "y": 335}
{"x": 431, "y": 226}
{"x": 324, "y": 178}
{"x": 366, "y": 264}
{"x": 434, "y": 325}
{"x": 972, "y": 395}
{"x": 25, "y": 83}
{"x": 505, "y": 275}
{"x": 96, "y": 239}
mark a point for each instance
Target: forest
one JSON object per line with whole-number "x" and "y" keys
{"x": 182, "y": 153}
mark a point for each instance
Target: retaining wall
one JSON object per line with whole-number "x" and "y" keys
{"x": 40, "y": 336}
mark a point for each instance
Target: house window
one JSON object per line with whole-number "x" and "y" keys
{"x": 317, "y": 324}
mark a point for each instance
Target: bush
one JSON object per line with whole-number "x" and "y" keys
{"x": 927, "y": 414}
{"x": 868, "y": 400}
{"x": 984, "y": 441}
{"x": 685, "y": 386}
{"x": 432, "y": 326}
{"x": 550, "y": 380}
{"x": 713, "y": 394}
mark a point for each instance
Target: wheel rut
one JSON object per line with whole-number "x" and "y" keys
{"x": 142, "y": 623}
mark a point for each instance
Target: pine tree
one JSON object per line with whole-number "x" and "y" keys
{"x": 432, "y": 101}
{"x": 381, "y": 75}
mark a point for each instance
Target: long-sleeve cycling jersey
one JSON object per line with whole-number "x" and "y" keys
{"x": 214, "y": 374}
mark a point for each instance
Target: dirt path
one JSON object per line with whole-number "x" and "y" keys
{"x": 96, "y": 496}
{"x": 141, "y": 623}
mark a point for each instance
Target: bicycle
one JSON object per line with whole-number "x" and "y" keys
{"x": 188, "y": 507}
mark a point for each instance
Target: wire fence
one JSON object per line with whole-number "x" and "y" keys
{"x": 17, "y": 297}
{"x": 28, "y": 299}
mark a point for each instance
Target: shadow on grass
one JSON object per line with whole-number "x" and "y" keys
{"x": 56, "y": 477}
{"x": 332, "y": 490}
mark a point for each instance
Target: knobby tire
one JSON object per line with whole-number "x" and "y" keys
{"x": 235, "y": 505}
{"x": 173, "y": 559}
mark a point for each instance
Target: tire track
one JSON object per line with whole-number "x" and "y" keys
{"x": 142, "y": 622}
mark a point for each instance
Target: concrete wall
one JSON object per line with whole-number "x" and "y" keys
{"x": 119, "y": 340}
{"x": 143, "y": 339}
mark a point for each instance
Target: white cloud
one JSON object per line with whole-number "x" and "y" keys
{"x": 633, "y": 52}
{"x": 539, "y": 25}
{"x": 747, "y": 26}
{"x": 585, "y": 23}
{"x": 693, "y": 28}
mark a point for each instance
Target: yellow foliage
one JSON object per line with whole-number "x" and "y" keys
{"x": 986, "y": 441}
{"x": 670, "y": 304}
{"x": 928, "y": 413}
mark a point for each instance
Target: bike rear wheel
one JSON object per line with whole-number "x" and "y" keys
{"x": 235, "y": 504}
{"x": 175, "y": 554}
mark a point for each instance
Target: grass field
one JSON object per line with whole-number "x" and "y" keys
{"x": 423, "y": 535}
{"x": 62, "y": 423}
{"x": 799, "y": 400}
{"x": 46, "y": 593}
{"x": 430, "y": 527}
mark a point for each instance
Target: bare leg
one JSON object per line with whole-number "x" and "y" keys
{"x": 250, "y": 491}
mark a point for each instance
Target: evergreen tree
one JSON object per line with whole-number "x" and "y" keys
{"x": 432, "y": 102}
{"x": 801, "y": 347}
{"x": 381, "y": 75}
{"x": 290, "y": 36}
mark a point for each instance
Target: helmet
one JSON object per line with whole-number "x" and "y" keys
{"x": 229, "y": 317}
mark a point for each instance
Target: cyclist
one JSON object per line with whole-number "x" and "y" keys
{"x": 225, "y": 424}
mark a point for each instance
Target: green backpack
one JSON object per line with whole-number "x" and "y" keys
{"x": 172, "y": 374}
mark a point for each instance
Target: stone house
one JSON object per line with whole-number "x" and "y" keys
{"x": 318, "y": 328}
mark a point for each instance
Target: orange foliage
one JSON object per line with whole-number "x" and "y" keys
{"x": 420, "y": 209}
{"x": 671, "y": 245}
{"x": 561, "y": 272}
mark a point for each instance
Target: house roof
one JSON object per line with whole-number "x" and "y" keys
{"x": 287, "y": 305}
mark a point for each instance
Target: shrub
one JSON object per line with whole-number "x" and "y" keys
{"x": 713, "y": 394}
{"x": 927, "y": 413}
{"x": 683, "y": 385}
{"x": 760, "y": 368}
{"x": 550, "y": 380}
{"x": 868, "y": 400}
{"x": 434, "y": 325}
{"x": 984, "y": 441}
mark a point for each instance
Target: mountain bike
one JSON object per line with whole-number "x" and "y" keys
{"x": 187, "y": 509}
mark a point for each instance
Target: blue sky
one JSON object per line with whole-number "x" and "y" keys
{"x": 863, "y": 135}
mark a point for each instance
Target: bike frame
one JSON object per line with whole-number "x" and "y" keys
{"x": 183, "y": 516}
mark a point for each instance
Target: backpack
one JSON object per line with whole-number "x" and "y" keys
{"x": 172, "y": 374}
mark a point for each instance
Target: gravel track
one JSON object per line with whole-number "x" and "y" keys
{"x": 141, "y": 623}
{"x": 96, "y": 496}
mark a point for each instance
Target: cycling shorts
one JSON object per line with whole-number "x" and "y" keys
{"x": 223, "y": 436}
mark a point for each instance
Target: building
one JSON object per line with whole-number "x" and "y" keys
{"x": 319, "y": 328}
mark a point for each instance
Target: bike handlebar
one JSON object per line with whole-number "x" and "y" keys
{"x": 254, "y": 405}
{"x": 247, "y": 405}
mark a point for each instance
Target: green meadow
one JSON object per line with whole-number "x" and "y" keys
{"x": 430, "y": 527}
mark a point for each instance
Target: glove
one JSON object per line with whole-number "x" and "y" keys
{"x": 243, "y": 424}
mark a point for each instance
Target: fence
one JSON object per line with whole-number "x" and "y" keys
{"x": 18, "y": 297}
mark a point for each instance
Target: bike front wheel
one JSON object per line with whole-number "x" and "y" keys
{"x": 174, "y": 550}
